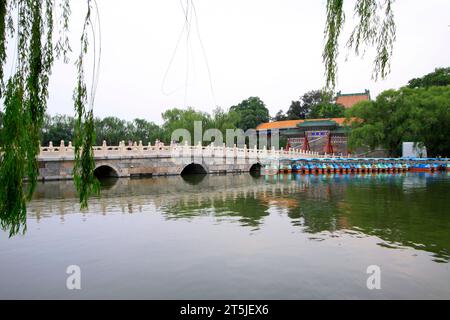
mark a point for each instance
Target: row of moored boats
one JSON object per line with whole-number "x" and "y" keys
{"x": 321, "y": 168}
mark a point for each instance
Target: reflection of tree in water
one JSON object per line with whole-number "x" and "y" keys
{"x": 414, "y": 218}
{"x": 249, "y": 211}
{"x": 378, "y": 205}
{"x": 406, "y": 210}
{"x": 318, "y": 204}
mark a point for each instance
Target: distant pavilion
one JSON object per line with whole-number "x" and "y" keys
{"x": 318, "y": 135}
{"x": 322, "y": 135}
{"x": 348, "y": 100}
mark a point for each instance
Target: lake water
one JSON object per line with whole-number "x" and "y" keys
{"x": 236, "y": 237}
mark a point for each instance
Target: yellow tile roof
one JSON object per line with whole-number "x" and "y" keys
{"x": 290, "y": 124}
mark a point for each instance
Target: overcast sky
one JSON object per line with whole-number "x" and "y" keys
{"x": 271, "y": 49}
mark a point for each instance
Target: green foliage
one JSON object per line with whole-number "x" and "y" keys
{"x": 183, "y": 119}
{"x": 143, "y": 130}
{"x": 297, "y": 110}
{"x": 1, "y": 128}
{"x": 370, "y": 30}
{"x": 31, "y": 23}
{"x": 431, "y": 118}
{"x": 112, "y": 130}
{"x": 280, "y": 116}
{"x": 335, "y": 22}
{"x": 57, "y": 128}
{"x": 326, "y": 110}
{"x": 25, "y": 100}
{"x": 315, "y": 104}
{"x": 223, "y": 120}
{"x": 420, "y": 115}
{"x": 13, "y": 163}
{"x": 440, "y": 77}
{"x": 84, "y": 138}
{"x": 251, "y": 113}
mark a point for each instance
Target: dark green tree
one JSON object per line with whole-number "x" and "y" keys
{"x": 440, "y": 77}
{"x": 314, "y": 104}
{"x": 251, "y": 112}
{"x": 57, "y": 128}
{"x": 297, "y": 111}
{"x": 143, "y": 130}
{"x": 280, "y": 116}
{"x": 1, "y": 126}
{"x": 419, "y": 115}
{"x": 326, "y": 110}
{"x": 112, "y": 130}
{"x": 430, "y": 112}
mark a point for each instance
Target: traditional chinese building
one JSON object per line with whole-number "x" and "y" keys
{"x": 348, "y": 100}
{"x": 318, "y": 135}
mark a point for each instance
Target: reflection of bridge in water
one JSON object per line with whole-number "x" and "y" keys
{"x": 321, "y": 205}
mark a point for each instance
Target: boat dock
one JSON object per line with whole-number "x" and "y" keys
{"x": 356, "y": 165}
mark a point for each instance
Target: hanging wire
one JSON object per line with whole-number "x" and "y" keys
{"x": 189, "y": 13}
{"x": 204, "y": 53}
{"x": 188, "y": 19}
{"x": 97, "y": 57}
{"x": 163, "y": 85}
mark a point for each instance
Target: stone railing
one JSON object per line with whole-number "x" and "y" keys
{"x": 64, "y": 151}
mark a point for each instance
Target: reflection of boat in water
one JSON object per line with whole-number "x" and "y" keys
{"x": 271, "y": 170}
{"x": 343, "y": 166}
{"x": 427, "y": 167}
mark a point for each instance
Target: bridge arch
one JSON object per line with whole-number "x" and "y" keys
{"x": 255, "y": 167}
{"x": 194, "y": 168}
{"x": 103, "y": 171}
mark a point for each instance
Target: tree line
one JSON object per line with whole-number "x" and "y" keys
{"x": 418, "y": 112}
{"x": 315, "y": 104}
{"x": 245, "y": 115}
{"x": 248, "y": 114}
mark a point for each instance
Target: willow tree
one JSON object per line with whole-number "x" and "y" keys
{"x": 375, "y": 28}
{"x": 28, "y": 28}
{"x": 33, "y": 24}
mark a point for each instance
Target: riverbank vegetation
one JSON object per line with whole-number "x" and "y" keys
{"x": 314, "y": 104}
{"x": 418, "y": 112}
{"x": 245, "y": 115}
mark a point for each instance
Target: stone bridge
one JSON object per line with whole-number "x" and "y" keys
{"x": 56, "y": 163}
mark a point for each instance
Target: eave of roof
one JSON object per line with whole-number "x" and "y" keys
{"x": 293, "y": 124}
{"x": 317, "y": 123}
